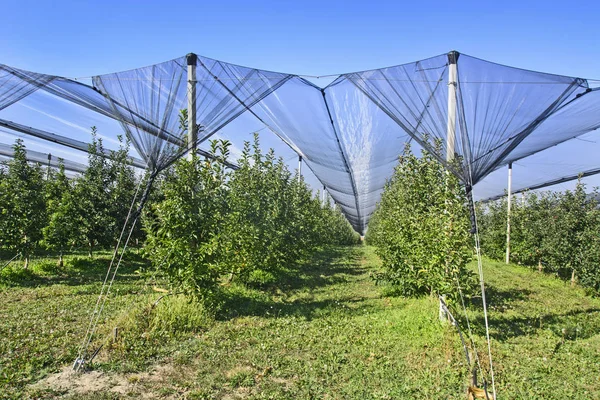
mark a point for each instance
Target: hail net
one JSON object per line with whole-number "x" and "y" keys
{"x": 349, "y": 133}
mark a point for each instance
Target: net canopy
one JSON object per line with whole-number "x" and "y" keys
{"x": 348, "y": 133}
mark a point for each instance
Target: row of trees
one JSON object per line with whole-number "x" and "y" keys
{"x": 202, "y": 220}
{"x": 42, "y": 208}
{"x": 210, "y": 223}
{"x": 421, "y": 229}
{"x": 557, "y": 232}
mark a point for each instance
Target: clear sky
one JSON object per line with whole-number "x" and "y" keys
{"x": 81, "y": 38}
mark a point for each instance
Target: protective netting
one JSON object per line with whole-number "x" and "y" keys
{"x": 16, "y": 84}
{"x": 348, "y": 133}
{"x": 44, "y": 159}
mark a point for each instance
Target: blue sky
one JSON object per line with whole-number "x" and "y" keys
{"x": 81, "y": 38}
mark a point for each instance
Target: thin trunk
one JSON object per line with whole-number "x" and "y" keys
{"x": 573, "y": 278}
{"x": 26, "y": 264}
{"x": 540, "y": 268}
{"x": 60, "y": 260}
{"x": 91, "y": 250}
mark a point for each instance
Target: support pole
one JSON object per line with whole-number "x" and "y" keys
{"x": 452, "y": 83}
{"x": 508, "y": 210}
{"x": 191, "y": 100}
{"x": 48, "y": 170}
{"x": 299, "y": 168}
{"x": 450, "y": 134}
{"x": 324, "y": 195}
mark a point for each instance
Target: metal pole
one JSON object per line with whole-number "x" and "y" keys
{"x": 452, "y": 83}
{"x": 508, "y": 209}
{"x": 191, "y": 100}
{"x": 48, "y": 170}
{"x": 450, "y": 133}
{"x": 299, "y": 168}
{"x": 324, "y": 196}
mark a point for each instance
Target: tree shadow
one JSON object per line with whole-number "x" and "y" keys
{"x": 327, "y": 267}
{"x": 568, "y": 325}
{"x": 500, "y": 299}
{"x": 78, "y": 270}
{"x": 308, "y": 309}
{"x": 571, "y": 325}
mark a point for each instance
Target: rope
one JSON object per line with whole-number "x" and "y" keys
{"x": 95, "y": 317}
{"x": 485, "y": 314}
{"x": 11, "y": 260}
{"x": 481, "y": 281}
{"x": 462, "y": 300}
{"x": 455, "y": 323}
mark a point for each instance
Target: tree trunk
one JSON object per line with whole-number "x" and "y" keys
{"x": 90, "y": 250}
{"x": 573, "y": 279}
{"x": 26, "y": 263}
{"x": 60, "y": 263}
{"x": 540, "y": 268}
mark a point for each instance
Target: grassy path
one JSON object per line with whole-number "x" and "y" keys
{"x": 323, "y": 331}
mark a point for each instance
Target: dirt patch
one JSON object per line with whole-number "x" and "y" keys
{"x": 70, "y": 383}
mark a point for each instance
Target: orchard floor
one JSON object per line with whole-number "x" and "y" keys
{"x": 322, "y": 331}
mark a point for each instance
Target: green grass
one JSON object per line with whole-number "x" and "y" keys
{"x": 322, "y": 330}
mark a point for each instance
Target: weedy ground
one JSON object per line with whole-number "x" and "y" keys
{"x": 320, "y": 330}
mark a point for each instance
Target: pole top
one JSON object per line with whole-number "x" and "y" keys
{"x": 191, "y": 58}
{"x": 453, "y": 57}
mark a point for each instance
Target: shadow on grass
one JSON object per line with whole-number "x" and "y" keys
{"x": 569, "y": 325}
{"x": 501, "y": 299}
{"x": 77, "y": 270}
{"x": 327, "y": 267}
{"x": 244, "y": 306}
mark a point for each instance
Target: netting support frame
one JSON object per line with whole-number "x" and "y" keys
{"x": 192, "y": 130}
{"x": 508, "y": 209}
{"x": 450, "y": 136}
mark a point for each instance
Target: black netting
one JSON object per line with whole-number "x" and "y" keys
{"x": 16, "y": 84}
{"x": 349, "y": 133}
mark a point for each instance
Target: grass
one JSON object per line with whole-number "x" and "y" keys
{"x": 322, "y": 330}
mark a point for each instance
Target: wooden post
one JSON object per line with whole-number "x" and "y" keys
{"x": 299, "y": 168}
{"x": 191, "y": 100}
{"x": 324, "y": 195}
{"x": 508, "y": 209}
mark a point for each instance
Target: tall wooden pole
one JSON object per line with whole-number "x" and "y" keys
{"x": 299, "y": 168}
{"x": 508, "y": 210}
{"x": 191, "y": 100}
{"x": 324, "y": 196}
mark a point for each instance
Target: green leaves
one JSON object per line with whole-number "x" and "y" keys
{"x": 22, "y": 204}
{"x": 421, "y": 229}
{"x": 183, "y": 230}
{"x": 552, "y": 231}
{"x": 213, "y": 224}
